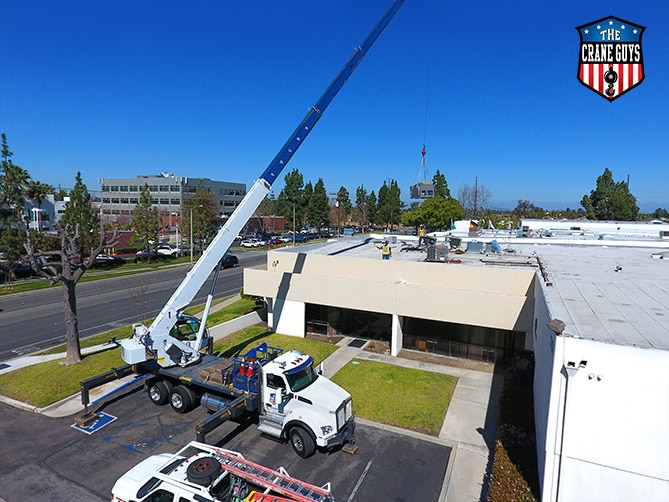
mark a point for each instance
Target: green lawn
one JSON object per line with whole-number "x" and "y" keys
{"x": 394, "y": 395}
{"x": 386, "y": 393}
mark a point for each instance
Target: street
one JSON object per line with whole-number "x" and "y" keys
{"x": 34, "y": 321}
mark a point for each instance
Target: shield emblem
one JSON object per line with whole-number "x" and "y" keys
{"x": 610, "y": 59}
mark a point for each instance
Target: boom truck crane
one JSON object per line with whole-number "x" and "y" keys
{"x": 292, "y": 399}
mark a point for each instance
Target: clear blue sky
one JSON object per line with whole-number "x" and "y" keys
{"x": 213, "y": 89}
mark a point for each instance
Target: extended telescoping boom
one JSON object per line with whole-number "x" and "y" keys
{"x": 170, "y": 351}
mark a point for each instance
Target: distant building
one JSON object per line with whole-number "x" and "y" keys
{"x": 120, "y": 196}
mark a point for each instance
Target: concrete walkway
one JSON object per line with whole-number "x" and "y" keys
{"x": 469, "y": 426}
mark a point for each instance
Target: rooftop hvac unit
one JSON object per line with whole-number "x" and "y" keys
{"x": 436, "y": 253}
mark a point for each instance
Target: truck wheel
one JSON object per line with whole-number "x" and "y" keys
{"x": 203, "y": 471}
{"x": 183, "y": 399}
{"x": 302, "y": 442}
{"x": 159, "y": 392}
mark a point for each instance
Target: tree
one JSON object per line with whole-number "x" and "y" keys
{"x": 389, "y": 207}
{"x": 343, "y": 207}
{"x": 435, "y": 213}
{"x": 290, "y": 198}
{"x": 610, "y": 200}
{"x": 145, "y": 223}
{"x": 660, "y": 213}
{"x": 13, "y": 180}
{"x": 372, "y": 205}
{"x": 440, "y": 186}
{"x": 525, "y": 209}
{"x": 319, "y": 207}
{"x": 79, "y": 211}
{"x": 203, "y": 212}
{"x": 81, "y": 240}
{"x": 307, "y": 194}
{"x": 361, "y": 202}
{"x": 474, "y": 198}
{"x": 38, "y": 191}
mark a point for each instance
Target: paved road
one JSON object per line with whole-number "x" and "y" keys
{"x": 34, "y": 321}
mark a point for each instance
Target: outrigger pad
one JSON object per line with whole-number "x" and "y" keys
{"x": 350, "y": 448}
{"x": 86, "y": 419}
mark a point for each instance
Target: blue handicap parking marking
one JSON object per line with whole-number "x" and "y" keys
{"x": 102, "y": 420}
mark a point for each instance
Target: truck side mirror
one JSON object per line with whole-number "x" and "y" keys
{"x": 320, "y": 369}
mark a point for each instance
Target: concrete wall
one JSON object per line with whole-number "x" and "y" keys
{"x": 617, "y": 423}
{"x": 543, "y": 340}
{"x": 607, "y": 434}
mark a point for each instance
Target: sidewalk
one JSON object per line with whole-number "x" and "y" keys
{"x": 474, "y": 405}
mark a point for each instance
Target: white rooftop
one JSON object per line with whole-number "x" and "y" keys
{"x": 609, "y": 291}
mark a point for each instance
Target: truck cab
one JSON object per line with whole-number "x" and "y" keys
{"x": 300, "y": 404}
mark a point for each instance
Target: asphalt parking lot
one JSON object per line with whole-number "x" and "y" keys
{"x": 47, "y": 459}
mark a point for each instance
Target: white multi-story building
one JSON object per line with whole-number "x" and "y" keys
{"x": 120, "y": 196}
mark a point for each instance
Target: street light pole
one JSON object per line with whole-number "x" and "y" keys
{"x": 191, "y": 234}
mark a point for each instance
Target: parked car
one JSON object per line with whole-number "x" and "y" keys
{"x": 250, "y": 243}
{"x": 169, "y": 251}
{"x": 108, "y": 260}
{"x": 229, "y": 261}
{"x": 145, "y": 254}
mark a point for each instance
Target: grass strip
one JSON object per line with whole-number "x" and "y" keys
{"x": 395, "y": 395}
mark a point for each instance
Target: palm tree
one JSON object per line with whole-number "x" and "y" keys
{"x": 38, "y": 191}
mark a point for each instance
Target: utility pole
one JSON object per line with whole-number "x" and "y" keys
{"x": 476, "y": 194}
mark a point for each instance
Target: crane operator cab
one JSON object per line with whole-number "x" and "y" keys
{"x": 177, "y": 348}
{"x": 186, "y": 329}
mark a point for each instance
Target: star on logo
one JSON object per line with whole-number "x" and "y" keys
{"x": 634, "y": 31}
{"x": 610, "y": 23}
{"x": 599, "y": 26}
{"x": 622, "y": 26}
{"x": 586, "y": 31}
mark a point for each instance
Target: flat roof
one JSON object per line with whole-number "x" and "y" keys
{"x": 609, "y": 293}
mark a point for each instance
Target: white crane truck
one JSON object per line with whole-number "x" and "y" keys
{"x": 292, "y": 400}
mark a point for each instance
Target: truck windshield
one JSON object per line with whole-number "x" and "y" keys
{"x": 302, "y": 379}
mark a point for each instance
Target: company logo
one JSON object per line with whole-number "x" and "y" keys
{"x": 610, "y": 60}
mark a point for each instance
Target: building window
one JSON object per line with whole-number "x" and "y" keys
{"x": 175, "y": 202}
{"x": 133, "y": 188}
{"x": 154, "y": 200}
{"x": 124, "y": 200}
{"x": 174, "y": 188}
{"x": 134, "y": 200}
{"x": 153, "y": 188}
{"x": 105, "y": 200}
{"x": 115, "y": 200}
{"x": 114, "y": 188}
{"x": 123, "y": 188}
{"x": 164, "y": 188}
{"x": 164, "y": 202}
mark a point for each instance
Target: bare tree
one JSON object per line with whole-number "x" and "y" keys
{"x": 474, "y": 198}
{"x": 68, "y": 270}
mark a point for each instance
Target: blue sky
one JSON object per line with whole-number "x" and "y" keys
{"x": 214, "y": 88}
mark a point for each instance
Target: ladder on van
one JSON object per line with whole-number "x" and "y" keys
{"x": 278, "y": 480}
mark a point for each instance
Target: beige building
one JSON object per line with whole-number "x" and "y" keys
{"x": 592, "y": 312}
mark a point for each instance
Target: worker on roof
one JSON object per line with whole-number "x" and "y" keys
{"x": 422, "y": 232}
{"x": 386, "y": 250}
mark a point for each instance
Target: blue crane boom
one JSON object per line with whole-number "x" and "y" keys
{"x": 168, "y": 350}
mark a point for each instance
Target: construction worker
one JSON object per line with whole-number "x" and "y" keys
{"x": 386, "y": 250}
{"x": 422, "y": 232}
